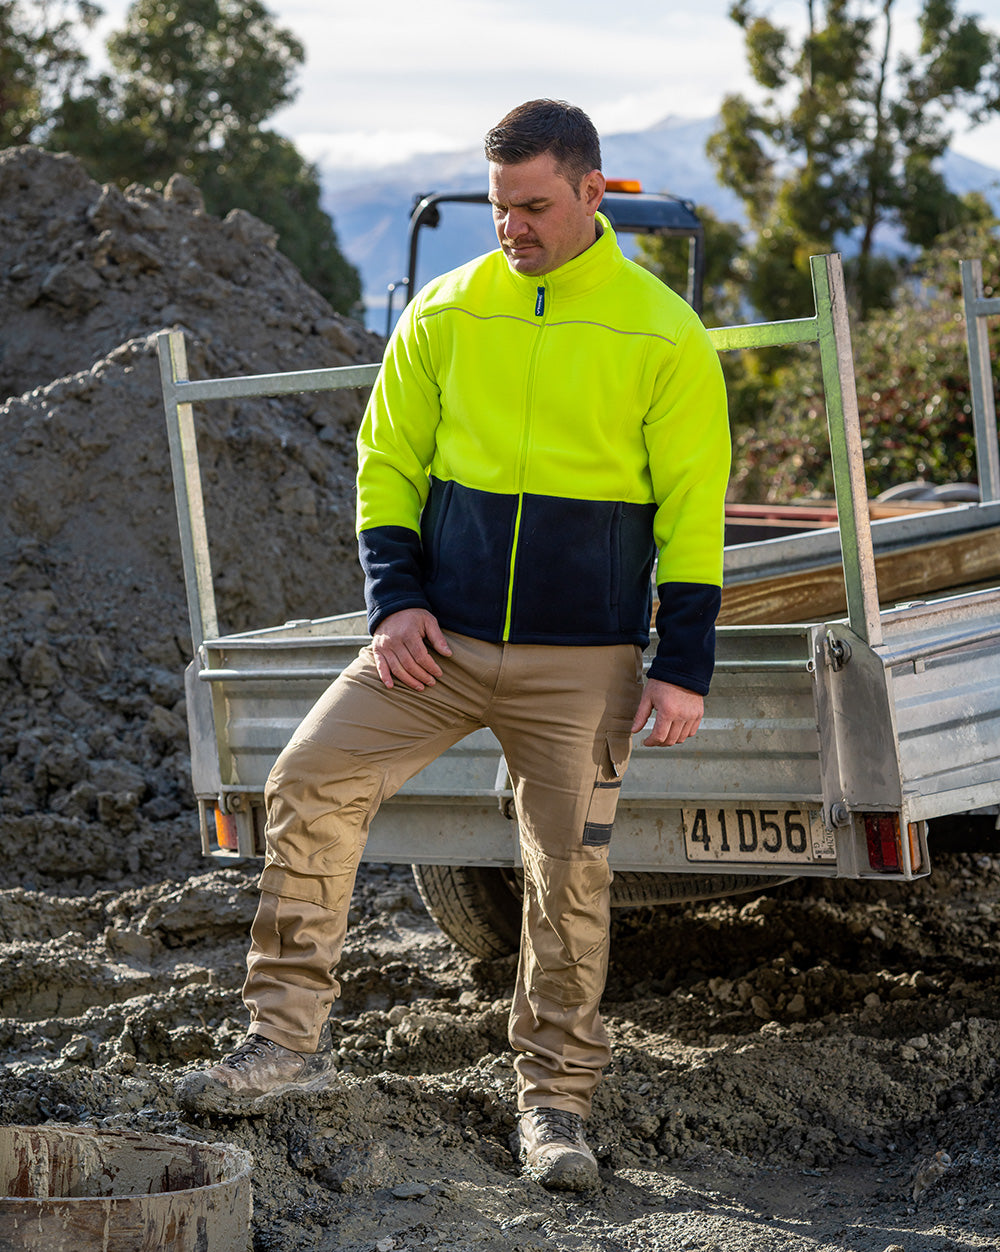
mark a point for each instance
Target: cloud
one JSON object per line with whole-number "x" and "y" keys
{"x": 385, "y": 78}
{"x": 372, "y": 149}
{"x": 457, "y": 67}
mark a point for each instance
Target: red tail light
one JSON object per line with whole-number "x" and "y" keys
{"x": 885, "y": 852}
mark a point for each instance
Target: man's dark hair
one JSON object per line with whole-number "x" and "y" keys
{"x": 554, "y": 126}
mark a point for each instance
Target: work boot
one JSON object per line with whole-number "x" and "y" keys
{"x": 257, "y": 1066}
{"x": 550, "y": 1145}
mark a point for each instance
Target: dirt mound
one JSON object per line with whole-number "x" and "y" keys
{"x": 93, "y": 748}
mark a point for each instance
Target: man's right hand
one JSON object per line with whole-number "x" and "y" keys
{"x": 401, "y": 652}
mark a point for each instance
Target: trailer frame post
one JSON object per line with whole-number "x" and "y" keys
{"x": 188, "y": 495}
{"x": 984, "y": 412}
{"x": 844, "y": 424}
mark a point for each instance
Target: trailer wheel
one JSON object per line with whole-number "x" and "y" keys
{"x": 479, "y": 907}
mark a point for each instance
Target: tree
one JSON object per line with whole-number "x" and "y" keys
{"x": 40, "y": 59}
{"x": 668, "y": 260}
{"x": 193, "y": 83}
{"x": 846, "y": 139}
{"x": 265, "y": 173}
{"x": 194, "y": 73}
{"x": 914, "y": 395}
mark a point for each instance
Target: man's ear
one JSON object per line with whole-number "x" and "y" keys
{"x": 592, "y": 190}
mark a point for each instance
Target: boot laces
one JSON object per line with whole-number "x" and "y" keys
{"x": 248, "y": 1049}
{"x": 556, "y": 1124}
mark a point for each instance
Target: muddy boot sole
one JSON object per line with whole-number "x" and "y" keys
{"x": 199, "y": 1093}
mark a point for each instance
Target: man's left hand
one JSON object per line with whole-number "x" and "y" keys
{"x": 678, "y": 713}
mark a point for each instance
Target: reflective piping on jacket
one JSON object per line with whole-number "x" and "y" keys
{"x": 426, "y": 315}
{"x": 510, "y": 317}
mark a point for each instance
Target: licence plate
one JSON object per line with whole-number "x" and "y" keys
{"x": 783, "y": 836}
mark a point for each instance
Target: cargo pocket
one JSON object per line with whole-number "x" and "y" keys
{"x": 607, "y": 789}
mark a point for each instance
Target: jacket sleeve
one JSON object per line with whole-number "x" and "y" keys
{"x": 689, "y": 448}
{"x": 395, "y": 447}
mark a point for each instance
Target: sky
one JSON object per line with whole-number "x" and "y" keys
{"x": 388, "y": 79}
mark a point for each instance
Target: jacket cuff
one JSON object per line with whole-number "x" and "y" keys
{"x": 685, "y": 624}
{"x": 392, "y": 560}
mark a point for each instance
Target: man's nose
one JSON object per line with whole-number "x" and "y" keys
{"x": 515, "y": 225}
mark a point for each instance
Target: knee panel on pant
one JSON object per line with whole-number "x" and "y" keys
{"x": 564, "y": 846}
{"x": 320, "y": 801}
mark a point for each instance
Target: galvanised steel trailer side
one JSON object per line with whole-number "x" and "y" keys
{"x": 827, "y": 745}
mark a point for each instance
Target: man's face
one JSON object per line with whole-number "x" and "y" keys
{"x": 541, "y": 221}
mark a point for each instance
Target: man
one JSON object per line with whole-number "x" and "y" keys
{"x": 548, "y": 421}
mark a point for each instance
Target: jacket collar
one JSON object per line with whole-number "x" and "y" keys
{"x": 585, "y": 272}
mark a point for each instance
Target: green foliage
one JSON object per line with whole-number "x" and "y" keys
{"x": 194, "y": 82}
{"x": 846, "y": 138}
{"x": 192, "y": 74}
{"x": 914, "y": 400}
{"x": 265, "y": 174}
{"x": 39, "y": 61}
{"x": 668, "y": 259}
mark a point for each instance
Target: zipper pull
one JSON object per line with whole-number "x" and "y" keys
{"x": 540, "y": 302}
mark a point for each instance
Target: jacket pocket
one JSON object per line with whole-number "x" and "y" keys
{"x": 467, "y": 539}
{"x": 582, "y": 571}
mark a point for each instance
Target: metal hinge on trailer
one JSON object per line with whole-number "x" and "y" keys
{"x": 838, "y": 651}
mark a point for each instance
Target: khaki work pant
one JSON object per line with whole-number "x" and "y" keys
{"x": 563, "y": 717}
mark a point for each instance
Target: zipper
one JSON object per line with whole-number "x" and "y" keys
{"x": 540, "y": 312}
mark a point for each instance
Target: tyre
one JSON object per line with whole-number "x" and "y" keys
{"x": 638, "y": 889}
{"x": 479, "y": 907}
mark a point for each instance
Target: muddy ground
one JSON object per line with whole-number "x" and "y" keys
{"x": 814, "y": 1069}
{"x": 787, "y": 1070}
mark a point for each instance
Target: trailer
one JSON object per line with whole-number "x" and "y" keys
{"x": 843, "y": 722}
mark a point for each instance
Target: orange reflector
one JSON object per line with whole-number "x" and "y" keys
{"x": 225, "y": 831}
{"x": 885, "y": 853}
{"x": 624, "y": 184}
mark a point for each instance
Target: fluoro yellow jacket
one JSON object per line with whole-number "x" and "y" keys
{"x": 533, "y": 445}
